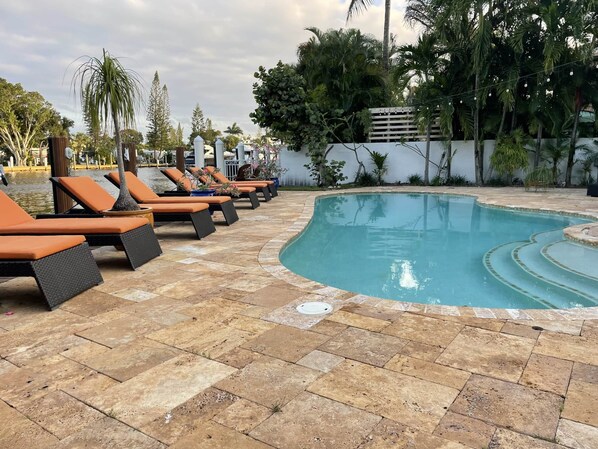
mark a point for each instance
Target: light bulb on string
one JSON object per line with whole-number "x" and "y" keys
{"x": 571, "y": 73}
{"x": 548, "y": 79}
{"x": 489, "y": 94}
{"x": 525, "y": 85}
{"x": 507, "y": 90}
{"x": 461, "y": 101}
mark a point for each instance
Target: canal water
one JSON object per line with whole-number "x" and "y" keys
{"x": 33, "y": 191}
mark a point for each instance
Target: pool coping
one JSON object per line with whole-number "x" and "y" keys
{"x": 268, "y": 258}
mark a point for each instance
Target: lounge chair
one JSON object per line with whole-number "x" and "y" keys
{"x": 94, "y": 199}
{"x": 219, "y": 176}
{"x": 134, "y": 235}
{"x": 62, "y": 265}
{"x": 261, "y": 186}
{"x": 183, "y": 183}
{"x": 143, "y": 195}
{"x": 243, "y": 180}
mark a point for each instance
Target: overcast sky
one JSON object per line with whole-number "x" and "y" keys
{"x": 204, "y": 51}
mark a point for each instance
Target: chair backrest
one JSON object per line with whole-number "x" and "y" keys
{"x": 195, "y": 171}
{"x": 178, "y": 177}
{"x": 11, "y": 213}
{"x": 137, "y": 188}
{"x": 218, "y": 176}
{"x": 87, "y": 192}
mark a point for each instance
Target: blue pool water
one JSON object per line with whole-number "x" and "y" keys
{"x": 443, "y": 249}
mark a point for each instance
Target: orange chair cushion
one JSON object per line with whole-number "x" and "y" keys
{"x": 137, "y": 188}
{"x": 176, "y": 176}
{"x": 218, "y": 176}
{"x": 251, "y": 183}
{"x": 35, "y": 247}
{"x": 75, "y": 226}
{"x": 11, "y": 213}
{"x": 88, "y": 192}
{"x": 182, "y": 208}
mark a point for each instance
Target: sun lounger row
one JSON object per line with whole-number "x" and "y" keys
{"x": 54, "y": 249}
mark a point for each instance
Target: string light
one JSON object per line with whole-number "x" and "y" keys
{"x": 496, "y": 84}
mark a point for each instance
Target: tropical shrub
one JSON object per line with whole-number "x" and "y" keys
{"x": 379, "y": 161}
{"x": 326, "y": 174}
{"x": 540, "y": 178}
{"x": 415, "y": 180}
{"x": 457, "y": 180}
{"x": 510, "y": 154}
{"x": 365, "y": 179}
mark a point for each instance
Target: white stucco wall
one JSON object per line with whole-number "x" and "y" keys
{"x": 403, "y": 161}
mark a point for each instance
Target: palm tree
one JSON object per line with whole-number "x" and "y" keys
{"x": 422, "y": 63}
{"x": 357, "y": 6}
{"x": 109, "y": 92}
{"x": 233, "y": 129}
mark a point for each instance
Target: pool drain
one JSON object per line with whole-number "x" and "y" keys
{"x": 314, "y": 308}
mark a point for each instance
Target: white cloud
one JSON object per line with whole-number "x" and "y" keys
{"x": 205, "y": 52}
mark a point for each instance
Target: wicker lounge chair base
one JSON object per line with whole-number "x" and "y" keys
{"x": 592, "y": 190}
{"x": 140, "y": 244}
{"x": 228, "y": 210}
{"x": 59, "y": 276}
{"x": 252, "y": 196}
{"x": 202, "y": 221}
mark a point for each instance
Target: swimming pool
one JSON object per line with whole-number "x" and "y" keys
{"x": 444, "y": 249}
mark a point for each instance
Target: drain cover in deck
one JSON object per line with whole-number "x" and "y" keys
{"x": 314, "y": 308}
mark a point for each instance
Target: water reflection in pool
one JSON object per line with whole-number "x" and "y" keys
{"x": 33, "y": 191}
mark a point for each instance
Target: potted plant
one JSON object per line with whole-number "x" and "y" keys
{"x": 110, "y": 95}
{"x": 269, "y": 169}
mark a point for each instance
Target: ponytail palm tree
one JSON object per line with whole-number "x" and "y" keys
{"x": 110, "y": 95}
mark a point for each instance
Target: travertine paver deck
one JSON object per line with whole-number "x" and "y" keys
{"x": 202, "y": 348}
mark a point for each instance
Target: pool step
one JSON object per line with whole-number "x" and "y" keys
{"x": 529, "y": 257}
{"x": 500, "y": 263}
{"x": 579, "y": 259}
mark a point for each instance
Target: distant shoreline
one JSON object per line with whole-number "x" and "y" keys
{"x": 36, "y": 168}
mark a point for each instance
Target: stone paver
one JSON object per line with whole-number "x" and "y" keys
{"x": 321, "y": 417}
{"x": 18, "y": 432}
{"x": 465, "y": 430}
{"x": 547, "y": 373}
{"x": 61, "y": 414}
{"x": 216, "y": 436}
{"x": 269, "y": 382}
{"x": 424, "y": 329}
{"x": 108, "y": 432}
{"x": 322, "y": 361}
{"x": 160, "y": 389}
{"x": 505, "y": 404}
{"x": 581, "y": 403}
{"x": 389, "y": 434}
{"x": 243, "y": 415}
{"x": 506, "y": 439}
{"x": 408, "y": 400}
{"x": 189, "y": 416}
{"x": 433, "y": 372}
{"x": 364, "y": 346}
{"x": 491, "y": 353}
{"x": 203, "y": 348}
{"x": 286, "y": 343}
{"x": 576, "y": 435}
